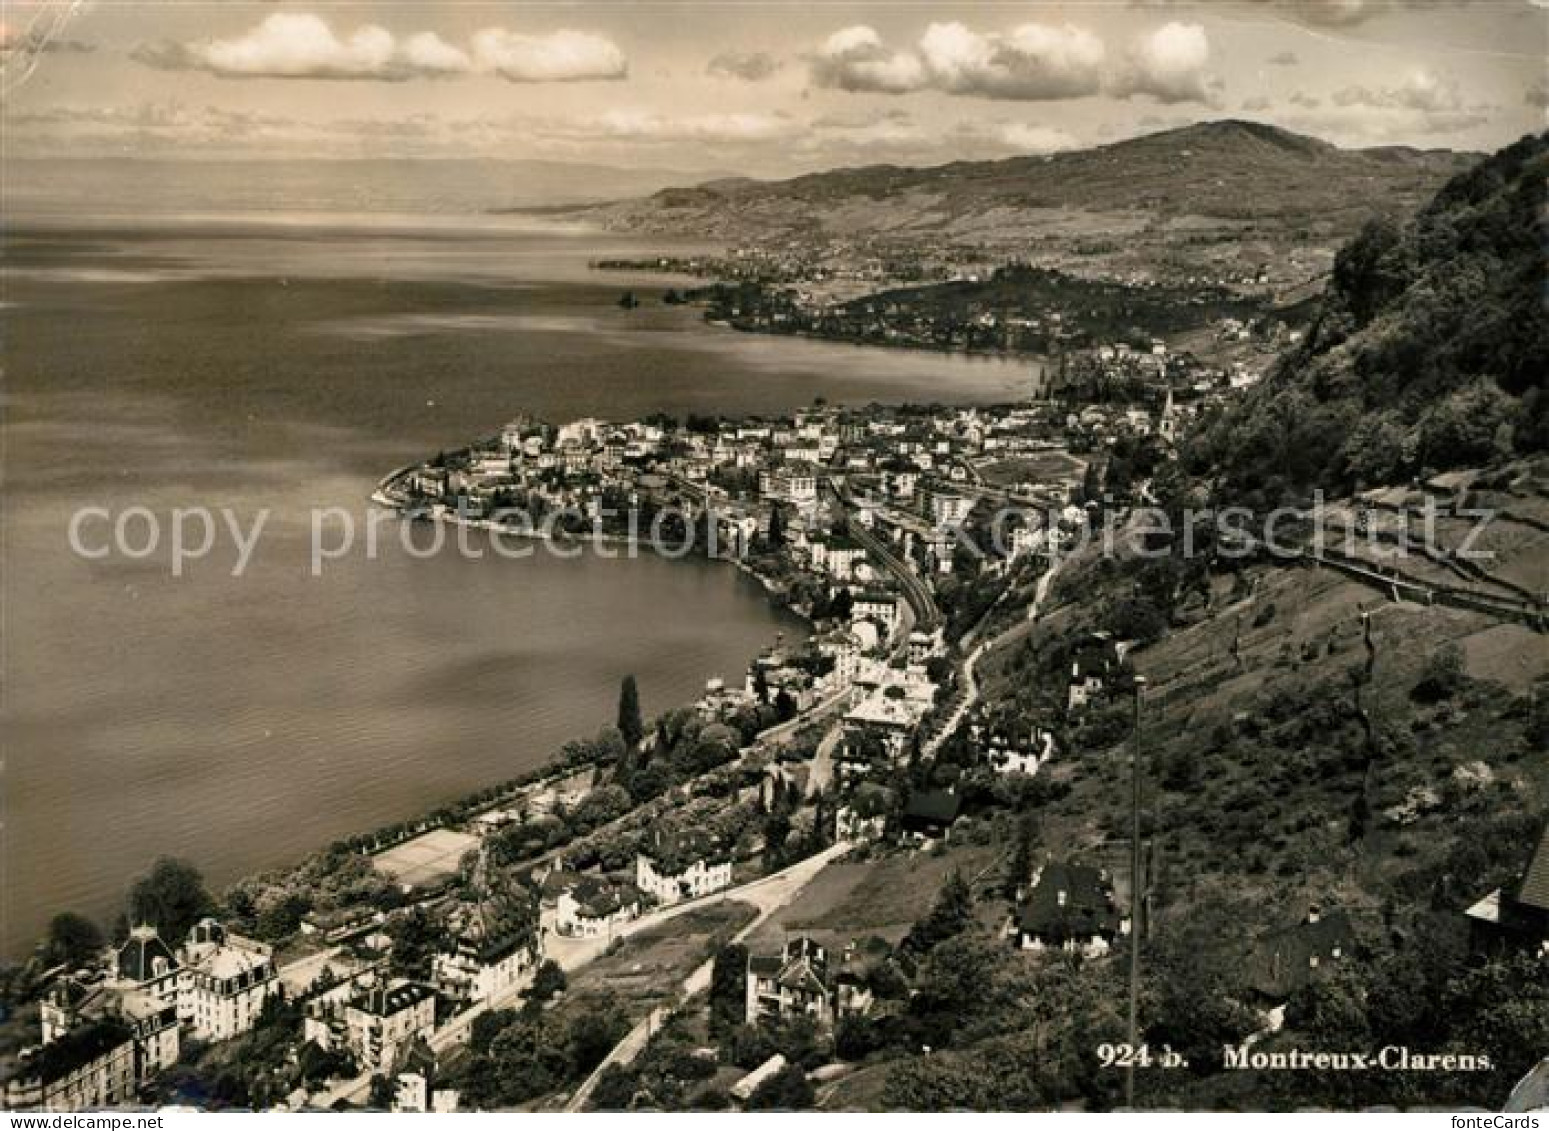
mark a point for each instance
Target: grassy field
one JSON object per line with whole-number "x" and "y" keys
{"x": 648, "y": 969}
{"x": 1041, "y": 467}
{"x": 883, "y": 896}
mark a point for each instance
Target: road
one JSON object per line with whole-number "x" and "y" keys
{"x": 970, "y": 673}
{"x": 768, "y": 895}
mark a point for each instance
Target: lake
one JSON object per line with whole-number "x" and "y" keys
{"x": 278, "y": 363}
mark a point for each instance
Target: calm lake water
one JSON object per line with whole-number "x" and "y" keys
{"x": 283, "y": 364}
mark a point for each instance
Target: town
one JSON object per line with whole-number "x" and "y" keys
{"x": 489, "y": 955}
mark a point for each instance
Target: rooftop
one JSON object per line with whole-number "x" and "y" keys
{"x": 1069, "y": 901}
{"x": 75, "y": 1049}
{"x": 1284, "y": 960}
{"x": 1534, "y": 891}
{"x": 383, "y": 1001}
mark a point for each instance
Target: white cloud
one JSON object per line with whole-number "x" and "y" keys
{"x": 561, "y": 56}
{"x": 1026, "y": 138}
{"x": 1028, "y": 63}
{"x": 1169, "y": 64}
{"x": 855, "y": 59}
{"x": 643, "y": 125}
{"x": 1422, "y": 102}
{"x": 1421, "y": 89}
{"x": 427, "y": 53}
{"x": 297, "y": 45}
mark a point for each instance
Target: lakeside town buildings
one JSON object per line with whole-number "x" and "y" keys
{"x": 863, "y": 509}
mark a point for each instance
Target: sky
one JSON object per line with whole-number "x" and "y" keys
{"x": 763, "y": 89}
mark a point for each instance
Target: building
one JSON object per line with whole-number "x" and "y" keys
{"x": 863, "y": 816}
{"x": 838, "y": 556}
{"x": 1283, "y": 961}
{"x": 418, "y": 1081}
{"x": 843, "y": 648}
{"x": 88, "y": 1067}
{"x": 744, "y": 1088}
{"x": 380, "y": 1023}
{"x": 877, "y": 605}
{"x": 794, "y": 983}
{"x": 1070, "y": 908}
{"x": 1517, "y": 916}
{"x": 948, "y": 510}
{"x": 930, "y": 813}
{"x": 595, "y": 907}
{"x": 858, "y": 969}
{"x": 1011, "y": 751}
{"x": 72, "y": 1004}
{"x": 480, "y": 965}
{"x": 217, "y": 982}
{"x": 1532, "y": 1091}
{"x": 1095, "y": 663}
{"x": 223, "y": 982}
{"x": 675, "y": 869}
{"x": 147, "y": 962}
{"x": 794, "y": 482}
{"x": 887, "y": 717}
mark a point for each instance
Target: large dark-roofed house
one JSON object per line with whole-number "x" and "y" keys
{"x": 144, "y": 958}
{"x": 1070, "y": 908}
{"x": 1284, "y": 961}
{"x": 930, "y": 813}
{"x": 1517, "y": 916}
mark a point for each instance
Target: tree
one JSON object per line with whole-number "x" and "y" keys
{"x": 952, "y": 912}
{"x": 415, "y": 938}
{"x": 487, "y": 1026}
{"x": 728, "y": 988}
{"x": 280, "y": 917}
{"x": 1022, "y": 856}
{"x": 592, "y": 1035}
{"x": 547, "y": 980}
{"x": 776, "y": 527}
{"x": 171, "y": 898}
{"x": 615, "y": 1089}
{"x": 787, "y": 1090}
{"x": 1443, "y": 677}
{"x": 630, "y": 723}
{"x": 784, "y": 705}
{"x": 777, "y": 830}
{"x": 73, "y": 940}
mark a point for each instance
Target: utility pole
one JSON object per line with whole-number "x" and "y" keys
{"x": 1135, "y": 901}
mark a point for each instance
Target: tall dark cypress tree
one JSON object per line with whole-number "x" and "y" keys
{"x": 631, "y": 724}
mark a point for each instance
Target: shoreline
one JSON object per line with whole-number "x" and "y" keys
{"x": 551, "y": 769}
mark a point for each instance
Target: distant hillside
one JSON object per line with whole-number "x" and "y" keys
{"x": 1429, "y": 352}
{"x": 1226, "y": 171}
{"x": 150, "y": 185}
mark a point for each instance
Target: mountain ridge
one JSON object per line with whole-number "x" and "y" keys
{"x": 1227, "y": 170}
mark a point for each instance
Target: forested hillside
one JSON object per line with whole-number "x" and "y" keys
{"x": 1429, "y": 352}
